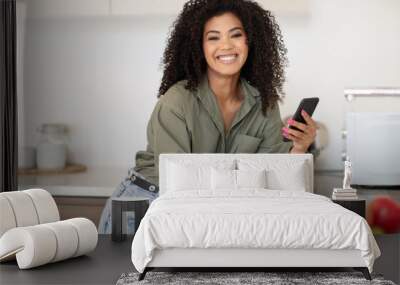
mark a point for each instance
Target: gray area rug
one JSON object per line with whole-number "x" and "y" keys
{"x": 269, "y": 278}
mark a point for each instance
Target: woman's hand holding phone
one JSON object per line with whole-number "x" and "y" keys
{"x": 304, "y": 136}
{"x": 302, "y": 129}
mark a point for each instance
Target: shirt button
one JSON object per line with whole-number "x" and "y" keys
{"x": 152, "y": 188}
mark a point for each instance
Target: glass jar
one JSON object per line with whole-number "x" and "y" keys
{"x": 52, "y": 148}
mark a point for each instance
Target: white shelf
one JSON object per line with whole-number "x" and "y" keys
{"x": 95, "y": 182}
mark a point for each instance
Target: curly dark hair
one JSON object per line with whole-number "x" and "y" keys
{"x": 264, "y": 68}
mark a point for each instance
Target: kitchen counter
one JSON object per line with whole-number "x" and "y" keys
{"x": 95, "y": 182}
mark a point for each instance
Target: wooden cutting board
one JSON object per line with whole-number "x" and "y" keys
{"x": 70, "y": 168}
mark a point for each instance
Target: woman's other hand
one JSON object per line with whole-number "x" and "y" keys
{"x": 304, "y": 138}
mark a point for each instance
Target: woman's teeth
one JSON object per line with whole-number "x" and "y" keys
{"x": 227, "y": 58}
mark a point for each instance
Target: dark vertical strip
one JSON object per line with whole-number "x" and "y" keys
{"x": 116, "y": 217}
{"x": 8, "y": 97}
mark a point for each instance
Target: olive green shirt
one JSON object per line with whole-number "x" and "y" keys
{"x": 191, "y": 122}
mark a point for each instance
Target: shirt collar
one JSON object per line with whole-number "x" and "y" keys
{"x": 208, "y": 99}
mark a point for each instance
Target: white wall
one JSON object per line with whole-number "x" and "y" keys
{"x": 100, "y": 75}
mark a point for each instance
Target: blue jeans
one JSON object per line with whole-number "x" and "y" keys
{"x": 125, "y": 189}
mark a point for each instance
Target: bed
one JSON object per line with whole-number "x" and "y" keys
{"x": 247, "y": 210}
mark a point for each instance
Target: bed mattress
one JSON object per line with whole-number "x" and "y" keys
{"x": 250, "y": 219}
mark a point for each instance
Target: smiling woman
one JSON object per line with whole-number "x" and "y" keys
{"x": 223, "y": 74}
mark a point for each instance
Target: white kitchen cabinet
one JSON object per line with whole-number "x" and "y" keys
{"x": 173, "y": 7}
{"x": 88, "y": 8}
{"x": 287, "y": 7}
{"x": 67, "y": 8}
{"x": 146, "y": 7}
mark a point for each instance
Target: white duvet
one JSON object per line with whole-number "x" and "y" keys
{"x": 252, "y": 218}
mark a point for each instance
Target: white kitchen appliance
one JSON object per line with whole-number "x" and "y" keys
{"x": 373, "y": 137}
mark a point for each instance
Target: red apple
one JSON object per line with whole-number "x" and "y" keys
{"x": 383, "y": 215}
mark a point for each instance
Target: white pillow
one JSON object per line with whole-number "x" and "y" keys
{"x": 236, "y": 179}
{"x": 289, "y": 174}
{"x": 223, "y": 179}
{"x": 251, "y": 178}
{"x": 283, "y": 177}
{"x": 193, "y": 173}
{"x": 183, "y": 178}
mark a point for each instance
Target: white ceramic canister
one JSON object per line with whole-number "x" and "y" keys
{"x": 26, "y": 157}
{"x": 51, "y": 151}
